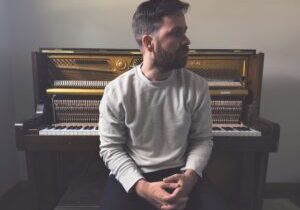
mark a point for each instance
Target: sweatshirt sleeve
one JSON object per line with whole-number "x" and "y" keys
{"x": 200, "y": 135}
{"x": 113, "y": 137}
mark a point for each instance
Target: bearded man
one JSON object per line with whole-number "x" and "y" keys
{"x": 155, "y": 121}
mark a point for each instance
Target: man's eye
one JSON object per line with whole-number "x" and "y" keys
{"x": 177, "y": 33}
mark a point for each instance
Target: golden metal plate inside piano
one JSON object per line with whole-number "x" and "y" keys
{"x": 228, "y": 92}
{"x": 74, "y": 91}
{"x": 109, "y": 64}
{"x": 85, "y": 91}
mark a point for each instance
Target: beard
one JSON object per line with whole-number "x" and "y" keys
{"x": 168, "y": 60}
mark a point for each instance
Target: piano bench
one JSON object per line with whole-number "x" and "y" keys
{"x": 84, "y": 193}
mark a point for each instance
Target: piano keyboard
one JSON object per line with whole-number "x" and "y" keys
{"x": 234, "y": 130}
{"x": 87, "y": 129}
{"x": 70, "y": 129}
{"x": 225, "y": 84}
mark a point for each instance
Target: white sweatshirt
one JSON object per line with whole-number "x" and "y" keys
{"x": 148, "y": 126}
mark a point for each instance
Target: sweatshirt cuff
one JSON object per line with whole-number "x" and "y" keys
{"x": 129, "y": 179}
{"x": 194, "y": 168}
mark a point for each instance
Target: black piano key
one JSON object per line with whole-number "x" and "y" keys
{"x": 216, "y": 129}
{"x": 244, "y": 128}
{"x": 228, "y": 128}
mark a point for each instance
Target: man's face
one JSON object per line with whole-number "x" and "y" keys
{"x": 171, "y": 44}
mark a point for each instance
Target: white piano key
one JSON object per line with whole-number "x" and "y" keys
{"x": 234, "y": 131}
{"x": 70, "y": 132}
{"x": 94, "y": 131}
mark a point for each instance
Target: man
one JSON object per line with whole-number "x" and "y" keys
{"x": 155, "y": 121}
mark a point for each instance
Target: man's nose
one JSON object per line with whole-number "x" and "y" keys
{"x": 186, "y": 40}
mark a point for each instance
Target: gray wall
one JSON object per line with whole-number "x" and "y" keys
{"x": 9, "y": 164}
{"x": 270, "y": 26}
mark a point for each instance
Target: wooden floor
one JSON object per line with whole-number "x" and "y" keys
{"x": 18, "y": 199}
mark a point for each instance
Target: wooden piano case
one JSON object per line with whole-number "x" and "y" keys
{"x": 57, "y": 164}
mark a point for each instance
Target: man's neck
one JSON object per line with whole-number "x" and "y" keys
{"x": 153, "y": 73}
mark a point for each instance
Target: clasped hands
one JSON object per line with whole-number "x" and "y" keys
{"x": 169, "y": 194}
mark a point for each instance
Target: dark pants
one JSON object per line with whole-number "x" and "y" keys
{"x": 203, "y": 197}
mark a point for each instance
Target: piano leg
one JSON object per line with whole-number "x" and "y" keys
{"x": 262, "y": 172}
{"x": 31, "y": 178}
{"x": 253, "y": 178}
{"x": 42, "y": 174}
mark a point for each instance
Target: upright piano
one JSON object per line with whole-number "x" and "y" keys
{"x": 61, "y": 140}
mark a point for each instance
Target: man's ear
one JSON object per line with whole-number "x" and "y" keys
{"x": 147, "y": 42}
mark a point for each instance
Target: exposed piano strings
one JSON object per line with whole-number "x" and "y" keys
{"x": 69, "y": 110}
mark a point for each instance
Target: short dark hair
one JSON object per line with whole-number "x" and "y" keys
{"x": 148, "y": 16}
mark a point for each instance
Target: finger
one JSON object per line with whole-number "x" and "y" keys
{"x": 164, "y": 196}
{"x": 154, "y": 202}
{"x": 171, "y": 186}
{"x": 175, "y": 195}
{"x": 178, "y": 205}
{"x": 176, "y": 192}
{"x": 173, "y": 178}
{"x": 168, "y": 206}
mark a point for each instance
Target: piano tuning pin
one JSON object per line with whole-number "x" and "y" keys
{"x": 137, "y": 61}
